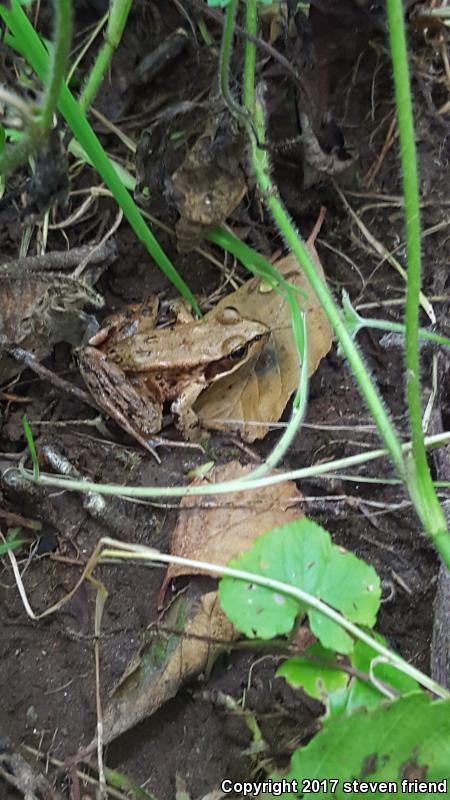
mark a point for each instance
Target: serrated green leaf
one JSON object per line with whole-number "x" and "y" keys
{"x": 302, "y": 555}
{"x": 404, "y": 740}
{"x": 349, "y": 584}
{"x": 346, "y": 585}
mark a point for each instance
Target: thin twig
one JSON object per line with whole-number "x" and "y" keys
{"x": 30, "y": 361}
{"x": 62, "y": 260}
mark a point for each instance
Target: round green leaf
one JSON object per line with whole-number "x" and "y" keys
{"x": 408, "y": 739}
{"x": 301, "y": 554}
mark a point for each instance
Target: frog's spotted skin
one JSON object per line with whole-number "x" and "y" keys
{"x": 132, "y": 368}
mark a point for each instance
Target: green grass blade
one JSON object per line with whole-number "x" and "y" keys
{"x": 12, "y": 541}
{"x": 31, "y": 447}
{"x": 418, "y": 472}
{"x": 26, "y": 41}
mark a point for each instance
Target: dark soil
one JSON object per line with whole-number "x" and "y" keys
{"x": 47, "y": 669}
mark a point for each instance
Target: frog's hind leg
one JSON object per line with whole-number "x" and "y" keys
{"x": 119, "y": 399}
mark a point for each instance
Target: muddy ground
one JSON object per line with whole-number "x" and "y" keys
{"x": 47, "y": 667}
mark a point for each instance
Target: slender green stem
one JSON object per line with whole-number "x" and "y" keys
{"x": 292, "y": 238}
{"x": 251, "y": 25}
{"x": 122, "y": 550}
{"x": 225, "y": 57}
{"x": 58, "y": 59}
{"x": 261, "y": 167}
{"x": 229, "y": 486}
{"x": 355, "y": 323}
{"x": 118, "y": 15}
{"x": 37, "y": 127}
{"x": 87, "y": 45}
{"x": 253, "y": 261}
{"x": 419, "y": 479}
{"x": 300, "y": 333}
{"x": 26, "y": 41}
{"x": 125, "y": 177}
{"x": 298, "y": 321}
{"x": 398, "y": 327}
{"x": 32, "y": 446}
{"x": 412, "y": 217}
{"x": 108, "y": 548}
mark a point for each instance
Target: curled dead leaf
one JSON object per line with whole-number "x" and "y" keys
{"x": 256, "y": 395}
{"x": 228, "y": 524}
{"x": 193, "y": 629}
{"x": 210, "y": 183}
{"x": 174, "y": 654}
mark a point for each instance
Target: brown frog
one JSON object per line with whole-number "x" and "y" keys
{"x": 132, "y": 368}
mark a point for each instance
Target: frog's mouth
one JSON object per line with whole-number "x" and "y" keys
{"x": 230, "y": 363}
{"x": 218, "y": 368}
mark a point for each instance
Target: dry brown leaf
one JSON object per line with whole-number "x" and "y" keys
{"x": 256, "y": 395}
{"x": 210, "y": 183}
{"x": 232, "y": 523}
{"x": 151, "y": 679}
{"x": 194, "y": 628}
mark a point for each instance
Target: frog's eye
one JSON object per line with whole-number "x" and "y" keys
{"x": 229, "y": 316}
{"x": 239, "y": 353}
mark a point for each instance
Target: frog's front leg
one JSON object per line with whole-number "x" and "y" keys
{"x": 187, "y": 421}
